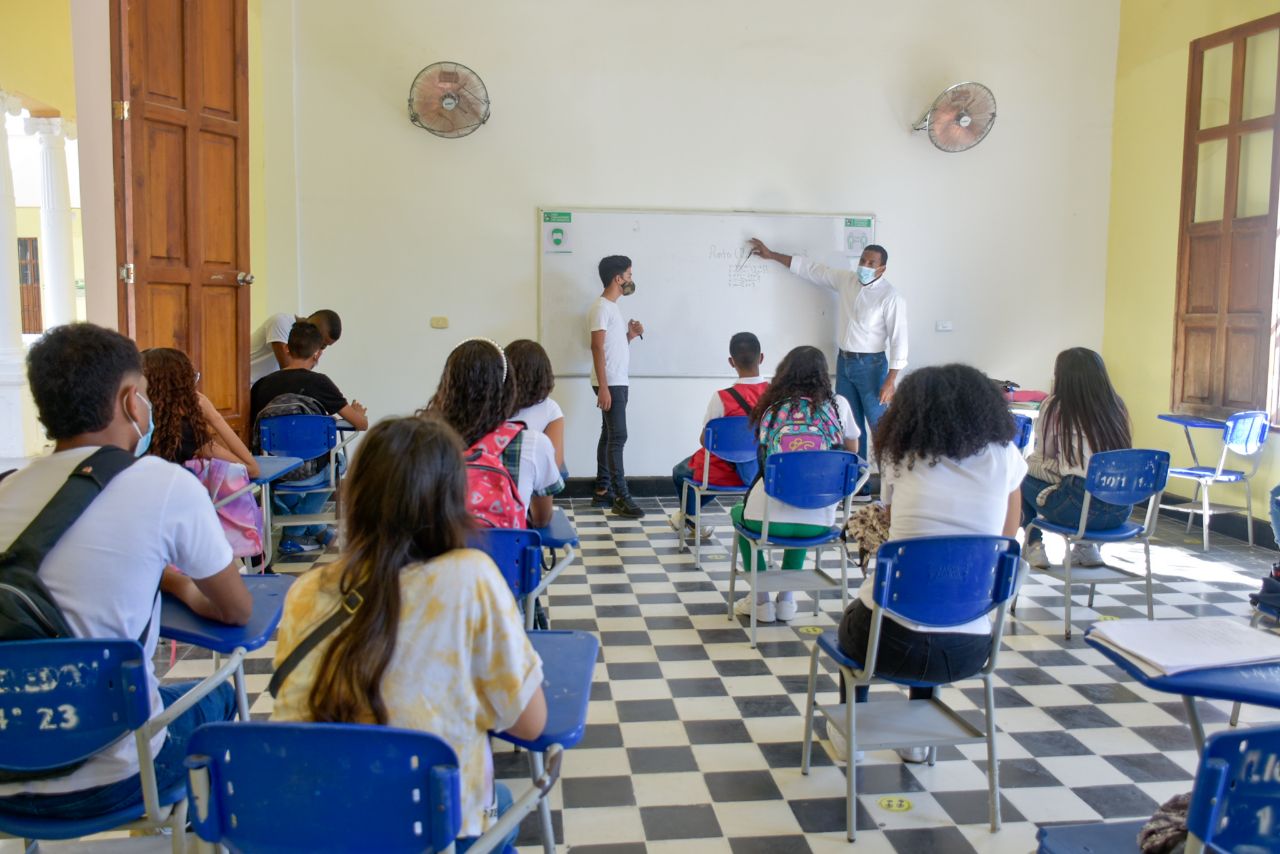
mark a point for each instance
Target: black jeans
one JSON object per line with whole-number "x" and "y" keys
{"x": 941, "y": 657}
{"x": 611, "y": 477}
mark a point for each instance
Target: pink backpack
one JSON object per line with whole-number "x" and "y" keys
{"x": 492, "y": 495}
{"x": 241, "y": 517}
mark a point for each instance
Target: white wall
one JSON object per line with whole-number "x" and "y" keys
{"x": 672, "y": 104}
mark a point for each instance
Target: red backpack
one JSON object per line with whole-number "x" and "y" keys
{"x": 492, "y": 494}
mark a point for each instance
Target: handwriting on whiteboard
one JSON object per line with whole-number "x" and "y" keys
{"x": 743, "y": 271}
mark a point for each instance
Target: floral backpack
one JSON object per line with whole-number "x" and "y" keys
{"x": 798, "y": 425}
{"x": 241, "y": 518}
{"x": 492, "y": 495}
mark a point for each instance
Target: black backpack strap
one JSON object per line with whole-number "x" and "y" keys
{"x": 350, "y": 604}
{"x": 68, "y": 503}
{"x": 741, "y": 401}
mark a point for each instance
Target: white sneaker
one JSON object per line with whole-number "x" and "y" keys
{"x": 1086, "y": 554}
{"x": 785, "y": 610}
{"x": 765, "y": 612}
{"x": 840, "y": 746}
{"x": 1035, "y": 555}
{"x": 678, "y": 520}
{"x": 914, "y": 754}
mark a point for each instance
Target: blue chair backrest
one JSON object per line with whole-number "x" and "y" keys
{"x": 730, "y": 438}
{"x": 277, "y": 787}
{"x": 305, "y": 436}
{"x": 1025, "y": 427}
{"x": 1236, "y": 799}
{"x": 61, "y": 701}
{"x": 518, "y": 554}
{"x": 945, "y": 581}
{"x": 1245, "y": 432}
{"x": 812, "y": 479}
{"x": 1127, "y": 477}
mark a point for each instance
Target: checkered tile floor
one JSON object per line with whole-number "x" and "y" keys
{"x": 693, "y": 742}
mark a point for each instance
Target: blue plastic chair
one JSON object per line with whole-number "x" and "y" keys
{"x": 1260, "y": 612}
{"x": 1233, "y": 803}
{"x": 307, "y": 437}
{"x": 732, "y": 440}
{"x": 1116, "y": 477}
{"x": 811, "y": 480}
{"x": 1025, "y": 427}
{"x": 1244, "y": 434}
{"x": 66, "y": 700}
{"x": 518, "y": 554}
{"x": 287, "y": 787}
{"x": 932, "y": 581}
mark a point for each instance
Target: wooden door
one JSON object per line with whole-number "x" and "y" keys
{"x": 182, "y": 186}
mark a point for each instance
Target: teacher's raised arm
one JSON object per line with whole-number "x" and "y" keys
{"x": 873, "y": 327}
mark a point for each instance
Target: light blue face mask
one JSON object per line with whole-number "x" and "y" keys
{"x": 144, "y": 439}
{"x": 866, "y": 275}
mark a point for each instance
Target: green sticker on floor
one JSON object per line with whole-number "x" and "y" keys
{"x": 1104, "y": 617}
{"x": 895, "y": 804}
{"x": 810, "y": 630}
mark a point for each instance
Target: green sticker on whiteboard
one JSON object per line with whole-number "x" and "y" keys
{"x": 557, "y": 216}
{"x": 857, "y": 222}
{"x": 810, "y": 630}
{"x": 894, "y": 803}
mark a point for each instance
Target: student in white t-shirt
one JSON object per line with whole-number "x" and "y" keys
{"x": 535, "y": 380}
{"x": 799, "y": 401}
{"x": 610, "y": 379}
{"x": 269, "y": 344}
{"x": 106, "y": 570}
{"x": 477, "y": 396}
{"x": 948, "y": 466}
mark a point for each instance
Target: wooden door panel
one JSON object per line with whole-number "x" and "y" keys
{"x": 1205, "y": 263}
{"x": 1199, "y": 344}
{"x": 165, "y": 61}
{"x": 163, "y": 180}
{"x": 219, "y": 191}
{"x": 163, "y": 316}
{"x": 1251, "y": 279}
{"x": 219, "y": 360}
{"x": 217, "y": 36}
{"x": 1244, "y": 362}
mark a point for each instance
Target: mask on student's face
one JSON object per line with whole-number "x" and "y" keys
{"x": 628, "y": 288}
{"x": 866, "y": 275}
{"x": 144, "y": 439}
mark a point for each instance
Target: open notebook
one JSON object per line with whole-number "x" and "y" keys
{"x": 1169, "y": 647}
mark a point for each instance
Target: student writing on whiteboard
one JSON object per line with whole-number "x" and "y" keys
{"x": 873, "y": 327}
{"x": 611, "y": 339}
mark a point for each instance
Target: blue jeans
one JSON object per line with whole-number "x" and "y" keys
{"x": 682, "y": 470}
{"x": 299, "y": 504}
{"x": 218, "y": 705}
{"x": 504, "y": 799}
{"x": 1063, "y": 507}
{"x": 859, "y": 377}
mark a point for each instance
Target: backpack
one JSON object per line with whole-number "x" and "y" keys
{"x": 797, "y": 425}
{"x": 492, "y": 495}
{"x": 292, "y": 404}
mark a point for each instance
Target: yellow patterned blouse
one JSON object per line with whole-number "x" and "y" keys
{"x": 462, "y": 664}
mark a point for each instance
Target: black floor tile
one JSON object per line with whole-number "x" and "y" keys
{"x": 661, "y": 760}
{"x": 682, "y": 822}
{"x": 597, "y": 792}
{"x": 1120, "y": 801}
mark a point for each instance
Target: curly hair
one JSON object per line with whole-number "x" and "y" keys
{"x": 801, "y": 373}
{"x": 534, "y": 377}
{"x": 171, "y": 386}
{"x": 949, "y": 411}
{"x": 472, "y": 395}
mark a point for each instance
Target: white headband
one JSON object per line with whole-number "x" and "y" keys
{"x": 495, "y": 346}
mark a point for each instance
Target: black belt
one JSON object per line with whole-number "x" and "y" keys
{"x": 851, "y": 353}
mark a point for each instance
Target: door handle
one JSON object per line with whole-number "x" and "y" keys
{"x": 244, "y": 279}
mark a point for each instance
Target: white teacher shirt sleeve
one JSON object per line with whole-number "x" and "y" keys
{"x": 821, "y": 274}
{"x": 895, "y": 325}
{"x": 279, "y": 327}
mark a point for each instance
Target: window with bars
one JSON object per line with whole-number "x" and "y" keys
{"x": 29, "y": 284}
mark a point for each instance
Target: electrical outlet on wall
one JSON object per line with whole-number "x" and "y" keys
{"x": 942, "y": 326}
{"x": 439, "y": 323}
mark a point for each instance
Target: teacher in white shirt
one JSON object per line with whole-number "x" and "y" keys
{"x": 873, "y": 328}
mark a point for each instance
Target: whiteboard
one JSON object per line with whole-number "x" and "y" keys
{"x": 696, "y": 285}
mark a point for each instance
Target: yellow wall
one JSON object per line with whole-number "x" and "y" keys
{"x": 1146, "y": 181}
{"x": 257, "y": 193}
{"x": 35, "y": 52}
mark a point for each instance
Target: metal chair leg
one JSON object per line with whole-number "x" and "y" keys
{"x": 993, "y": 762}
{"x": 1151, "y": 608}
{"x": 1248, "y": 510}
{"x": 684, "y": 502}
{"x": 807, "y": 747}
{"x": 697, "y": 528}
{"x": 1235, "y": 713}
{"x": 544, "y": 806}
{"x": 753, "y": 555}
{"x": 1066, "y": 567}
{"x": 1206, "y": 513}
{"x": 851, "y": 771}
{"x": 1191, "y": 513}
{"x": 733, "y": 572}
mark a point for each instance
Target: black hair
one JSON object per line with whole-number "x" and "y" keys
{"x": 802, "y": 373}
{"x": 611, "y": 266}
{"x": 951, "y": 411}
{"x": 744, "y": 349}
{"x": 884, "y": 253}
{"x": 329, "y": 323}
{"x": 75, "y": 372}
{"x": 532, "y": 367}
{"x": 1085, "y": 407}
{"x": 305, "y": 340}
{"x": 472, "y": 395}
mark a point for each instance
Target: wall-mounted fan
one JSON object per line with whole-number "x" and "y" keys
{"x": 448, "y": 99}
{"x": 960, "y": 117}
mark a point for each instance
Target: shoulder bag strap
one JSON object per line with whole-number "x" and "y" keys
{"x": 741, "y": 401}
{"x": 350, "y": 604}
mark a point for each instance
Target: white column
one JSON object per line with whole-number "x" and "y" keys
{"x": 57, "y": 273}
{"x": 13, "y": 381}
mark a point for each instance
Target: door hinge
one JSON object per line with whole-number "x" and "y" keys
{"x": 120, "y": 110}
{"x": 126, "y": 274}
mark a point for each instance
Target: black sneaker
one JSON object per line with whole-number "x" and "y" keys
{"x": 627, "y": 508}
{"x": 1275, "y": 570}
{"x": 601, "y": 499}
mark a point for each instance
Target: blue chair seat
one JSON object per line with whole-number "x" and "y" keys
{"x": 33, "y": 827}
{"x": 319, "y": 479}
{"x": 736, "y": 490}
{"x": 790, "y": 542}
{"x": 1110, "y": 535}
{"x": 1268, "y": 610}
{"x": 1202, "y": 472}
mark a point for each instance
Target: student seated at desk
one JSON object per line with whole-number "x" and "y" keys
{"x": 188, "y": 426}
{"x": 948, "y": 465}
{"x": 300, "y": 378}
{"x": 738, "y": 399}
{"x": 799, "y": 402}
{"x": 436, "y": 642}
{"x": 534, "y": 406}
{"x": 1082, "y": 416}
{"x": 270, "y": 342}
{"x": 512, "y": 470}
{"x": 106, "y": 572}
